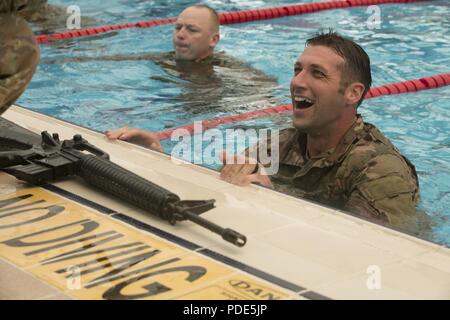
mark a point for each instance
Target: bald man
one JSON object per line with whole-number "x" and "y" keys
{"x": 212, "y": 81}
{"x": 195, "y": 37}
{"x": 196, "y": 33}
{"x": 19, "y": 57}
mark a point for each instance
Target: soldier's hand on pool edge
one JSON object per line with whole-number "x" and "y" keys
{"x": 137, "y": 136}
{"x": 242, "y": 171}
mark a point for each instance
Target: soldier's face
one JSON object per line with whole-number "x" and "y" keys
{"x": 194, "y": 36}
{"x": 316, "y": 94}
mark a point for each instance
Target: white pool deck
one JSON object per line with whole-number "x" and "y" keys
{"x": 326, "y": 251}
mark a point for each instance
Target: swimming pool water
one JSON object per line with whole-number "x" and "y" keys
{"x": 413, "y": 42}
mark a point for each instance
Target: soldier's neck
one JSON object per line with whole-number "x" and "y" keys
{"x": 206, "y": 56}
{"x": 319, "y": 142}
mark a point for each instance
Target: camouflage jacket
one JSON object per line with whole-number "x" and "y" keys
{"x": 19, "y": 57}
{"x": 364, "y": 174}
{"x": 28, "y": 9}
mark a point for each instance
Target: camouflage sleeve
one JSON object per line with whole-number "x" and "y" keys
{"x": 9, "y": 6}
{"x": 24, "y": 8}
{"x": 19, "y": 57}
{"x": 385, "y": 191}
{"x": 282, "y": 140}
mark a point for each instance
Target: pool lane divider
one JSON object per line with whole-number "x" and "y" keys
{"x": 425, "y": 83}
{"x": 229, "y": 17}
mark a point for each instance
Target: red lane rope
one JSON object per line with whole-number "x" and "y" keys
{"x": 425, "y": 83}
{"x": 229, "y": 17}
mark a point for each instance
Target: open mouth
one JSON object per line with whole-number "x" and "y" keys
{"x": 181, "y": 46}
{"x": 302, "y": 103}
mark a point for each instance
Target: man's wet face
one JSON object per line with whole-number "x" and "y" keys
{"x": 315, "y": 89}
{"x": 193, "y": 34}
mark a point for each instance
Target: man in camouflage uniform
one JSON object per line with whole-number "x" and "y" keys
{"x": 211, "y": 80}
{"x": 19, "y": 57}
{"x": 331, "y": 155}
{"x": 30, "y": 10}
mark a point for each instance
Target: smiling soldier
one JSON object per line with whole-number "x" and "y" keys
{"x": 332, "y": 156}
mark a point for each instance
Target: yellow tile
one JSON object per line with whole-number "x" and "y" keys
{"x": 74, "y": 228}
{"x": 108, "y": 252}
{"x": 130, "y": 252}
{"x": 172, "y": 278}
{"x": 29, "y": 226}
{"x": 92, "y": 280}
{"x": 239, "y": 287}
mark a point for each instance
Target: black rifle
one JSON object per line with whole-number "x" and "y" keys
{"x": 41, "y": 159}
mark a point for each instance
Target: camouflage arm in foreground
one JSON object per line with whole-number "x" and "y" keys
{"x": 386, "y": 191}
{"x": 19, "y": 57}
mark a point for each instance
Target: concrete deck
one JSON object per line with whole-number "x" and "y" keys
{"x": 295, "y": 249}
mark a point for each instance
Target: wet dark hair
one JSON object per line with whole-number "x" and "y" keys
{"x": 356, "y": 61}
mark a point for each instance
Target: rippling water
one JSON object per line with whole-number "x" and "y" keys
{"x": 413, "y": 42}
